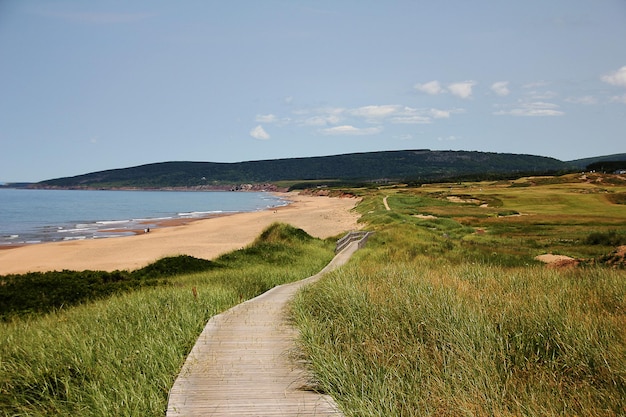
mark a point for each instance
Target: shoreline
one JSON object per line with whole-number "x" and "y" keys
{"x": 103, "y": 219}
{"x": 206, "y": 238}
{"x": 118, "y": 233}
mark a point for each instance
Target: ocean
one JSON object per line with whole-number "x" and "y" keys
{"x": 35, "y": 216}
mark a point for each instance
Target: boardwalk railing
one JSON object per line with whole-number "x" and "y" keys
{"x": 362, "y": 236}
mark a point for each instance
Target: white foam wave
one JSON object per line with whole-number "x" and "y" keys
{"x": 76, "y": 230}
{"x": 110, "y": 222}
{"x": 200, "y": 213}
{"x": 152, "y": 219}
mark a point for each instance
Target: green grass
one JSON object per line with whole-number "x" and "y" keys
{"x": 42, "y": 292}
{"x": 120, "y": 355}
{"x": 435, "y": 318}
{"x": 400, "y": 335}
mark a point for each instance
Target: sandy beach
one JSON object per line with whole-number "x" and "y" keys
{"x": 208, "y": 238}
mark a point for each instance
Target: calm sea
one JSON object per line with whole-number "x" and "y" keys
{"x": 33, "y": 216}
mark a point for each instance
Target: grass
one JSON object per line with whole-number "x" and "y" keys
{"x": 433, "y": 318}
{"x": 119, "y": 355}
{"x": 392, "y": 336}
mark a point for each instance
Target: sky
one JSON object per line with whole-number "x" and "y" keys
{"x": 90, "y": 86}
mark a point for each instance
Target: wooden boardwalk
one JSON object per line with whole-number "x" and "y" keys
{"x": 244, "y": 363}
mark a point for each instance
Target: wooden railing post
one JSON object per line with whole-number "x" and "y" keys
{"x": 361, "y": 236}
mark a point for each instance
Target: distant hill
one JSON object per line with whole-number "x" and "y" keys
{"x": 584, "y": 163}
{"x": 406, "y": 165}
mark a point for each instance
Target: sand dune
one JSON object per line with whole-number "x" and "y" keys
{"x": 319, "y": 216}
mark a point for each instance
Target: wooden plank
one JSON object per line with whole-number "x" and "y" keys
{"x": 244, "y": 363}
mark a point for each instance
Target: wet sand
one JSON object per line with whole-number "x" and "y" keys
{"x": 207, "y": 238}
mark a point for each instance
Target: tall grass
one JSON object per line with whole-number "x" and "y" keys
{"x": 120, "y": 355}
{"x": 428, "y": 337}
{"x": 434, "y": 319}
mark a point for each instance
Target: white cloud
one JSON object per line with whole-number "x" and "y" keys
{"x": 536, "y": 108}
{"x": 462, "y": 89}
{"x": 432, "y": 88}
{"x": 619, "y": 99}
{"x": 375, "y": 112}
{"x": 582, "y": 100}
{"x": 412, "y": 119}
{"x": 409, "y": 115}
{"x": 439, "y": 114}
{"x": 342, "y": 121}
{"x": 351, "y": 130}
{"x": 266, "y": 118}
{"x": 259, "y": 133}
{"x": 541, "y": 95}
{"x": 616, "y": 77}
{"x": 320, "y": 116}
{"x": 323, "y": 120}
{"x": 448, "y": 138}
{"x": 501, "y": 88}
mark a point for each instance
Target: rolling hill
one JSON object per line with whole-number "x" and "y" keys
{"x": 405, "y": 165}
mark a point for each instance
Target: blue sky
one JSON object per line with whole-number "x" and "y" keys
{"x": 88, "y": 86}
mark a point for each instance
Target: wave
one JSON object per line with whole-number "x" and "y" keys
{"x": 112, "y": 222}
{"x": 152, "y": 219}
{"x": 202, "y": 213}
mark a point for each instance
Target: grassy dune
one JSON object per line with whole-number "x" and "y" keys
{"x": 433, "y": 318}
{"x": 119, "y": 355}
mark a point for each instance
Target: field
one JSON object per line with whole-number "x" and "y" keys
{"x": 446, "y": 311}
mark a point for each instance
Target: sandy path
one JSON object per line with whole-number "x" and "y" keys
{"x": 319, "y": 216}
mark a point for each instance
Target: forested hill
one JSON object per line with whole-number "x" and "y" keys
{"x": 407, "y": 165}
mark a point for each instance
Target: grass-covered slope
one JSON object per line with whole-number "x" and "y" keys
{"x": 446, "y": 313}
{"x": 42, "y": 292}
{"x": 119, "y": 355}
{"x": 394, "y": 165}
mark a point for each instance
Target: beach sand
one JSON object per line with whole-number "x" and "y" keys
{"x": 208, "y": 238}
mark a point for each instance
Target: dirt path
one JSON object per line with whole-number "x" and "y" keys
{"x": 243, "y": 364}
{"x": 386, "y": 204}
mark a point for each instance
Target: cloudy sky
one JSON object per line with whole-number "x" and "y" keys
{"x": 88, "y": 86}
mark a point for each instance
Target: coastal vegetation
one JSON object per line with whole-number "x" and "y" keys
{"x": 119, "y": 354}
{"x": 447, "y": 312}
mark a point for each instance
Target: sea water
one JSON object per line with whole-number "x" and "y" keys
{"x": 33, "y": 216}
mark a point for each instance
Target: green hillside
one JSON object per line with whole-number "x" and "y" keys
{"x": 585, "y": 162}
{"x": 407, "y": 165}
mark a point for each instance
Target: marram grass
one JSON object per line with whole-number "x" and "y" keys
{"x": 431, "y": 338}
{"x": 119, "y": 356}
{"x": 446, "y": 313}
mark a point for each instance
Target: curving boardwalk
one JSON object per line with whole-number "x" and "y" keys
{"x": 243, "y": 363}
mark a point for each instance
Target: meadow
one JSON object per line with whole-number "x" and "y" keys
{"x": 119, "y": 348}
{"x": 446, "y": 312}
